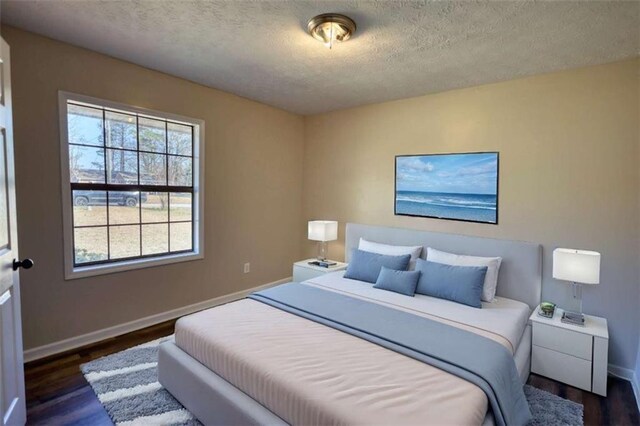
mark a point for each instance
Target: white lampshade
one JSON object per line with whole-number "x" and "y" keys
{"x": 579, "y": 266}
{"x": 323, "y": 230}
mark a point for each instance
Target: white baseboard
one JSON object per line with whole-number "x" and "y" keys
{"x": 630, "y": 375}
{"x": 106, "y": 333}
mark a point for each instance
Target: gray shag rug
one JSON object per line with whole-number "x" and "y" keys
{"x": 126, "y": 384}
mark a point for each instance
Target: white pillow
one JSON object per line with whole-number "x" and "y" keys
{"x": 492, "y": 264}
{"x": 391, "y": 250}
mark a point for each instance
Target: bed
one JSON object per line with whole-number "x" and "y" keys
{"x": 251, "y": 363}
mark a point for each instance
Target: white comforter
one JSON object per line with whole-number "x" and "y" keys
{"x": 308, "y": 373}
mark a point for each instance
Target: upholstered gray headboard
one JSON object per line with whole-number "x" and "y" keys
{"x": 520, "y": 275}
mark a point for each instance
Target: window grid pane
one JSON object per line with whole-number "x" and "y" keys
{"x": 84, "y": 125}
{"x": 86, "y": 164}
{"x": 120, "y": 130}
{"x": 129, "y": 220}
{"x": 155, "y": 238}
{"x": 180, "y": 236}
{"x": 89, "y": 208}
{"x": 124, "y": 207}
{"x": 91, "y": 245}
{"x": 181, "y": 207}
{"x": 123, "y": 241}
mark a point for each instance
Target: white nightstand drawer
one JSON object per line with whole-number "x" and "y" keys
{"x": 563, "y": 340}
{"x": 561, "y": 367}
{"x": 302, "y": 274}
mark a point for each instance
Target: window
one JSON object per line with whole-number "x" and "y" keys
{"x": 131, "y": 190}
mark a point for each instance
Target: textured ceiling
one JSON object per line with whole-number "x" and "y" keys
{"x": 260, "y": 50}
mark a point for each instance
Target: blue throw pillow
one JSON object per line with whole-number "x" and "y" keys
{"x": 365, "y": 266}
{"x": 462, "y": 284}
{"x": 403, "y": 282}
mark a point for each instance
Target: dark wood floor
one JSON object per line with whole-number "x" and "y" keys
{"x": 618, "y": 408}
{"x": 58, "y": 394}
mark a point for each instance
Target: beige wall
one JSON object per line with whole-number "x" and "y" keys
{"x": 569, "y": 173}
{"x": 253, "y": 172}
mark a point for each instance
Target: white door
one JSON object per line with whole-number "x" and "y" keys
{"x": 12, "y": 399}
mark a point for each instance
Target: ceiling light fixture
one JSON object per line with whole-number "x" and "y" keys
{"x": 330, "y": 28}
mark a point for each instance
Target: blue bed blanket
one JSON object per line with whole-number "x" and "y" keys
{"x": 477, "y": 359}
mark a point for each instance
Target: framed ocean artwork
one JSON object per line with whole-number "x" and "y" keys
{"x": 448, "y": 186}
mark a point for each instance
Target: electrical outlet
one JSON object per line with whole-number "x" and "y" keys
{"x": 247, "y": 268}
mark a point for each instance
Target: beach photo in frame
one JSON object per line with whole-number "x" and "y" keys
{"x": 453, "y": 186}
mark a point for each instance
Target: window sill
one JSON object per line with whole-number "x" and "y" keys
{"x": 94, "y": 270}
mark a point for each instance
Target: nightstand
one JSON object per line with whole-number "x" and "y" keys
{"x": 571, "y": 354}
{"x": 302, "y": 271}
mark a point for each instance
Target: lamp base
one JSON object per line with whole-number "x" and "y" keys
{"x": 323, "y": 251}
{"x": 573, "y": 318}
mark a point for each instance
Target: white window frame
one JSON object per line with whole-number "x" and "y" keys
{"x": 70, "y": 270}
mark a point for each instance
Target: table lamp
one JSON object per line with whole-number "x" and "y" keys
{"x": 579, "y": 267}
{"x": 323, "y": 231}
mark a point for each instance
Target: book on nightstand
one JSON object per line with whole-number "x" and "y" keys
{"x": 323, "y": 264}
{"x": 573, "y": 318}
